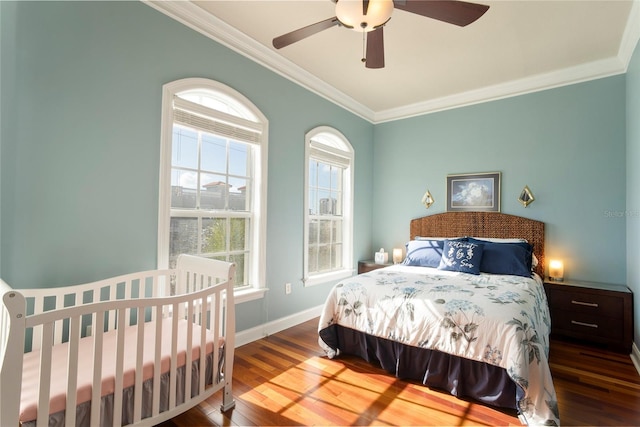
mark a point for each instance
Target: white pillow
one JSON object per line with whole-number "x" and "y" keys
{"x": 499, "y": 240}
{"x": 436, "y": 238}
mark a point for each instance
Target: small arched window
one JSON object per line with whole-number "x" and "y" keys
{"x": 328, "y": 210}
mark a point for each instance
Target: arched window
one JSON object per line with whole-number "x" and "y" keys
{"x": 213, "y": 179}
{"x": 328, "y": 210}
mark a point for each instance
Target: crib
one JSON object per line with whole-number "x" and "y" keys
{"x": 136, "y": 349}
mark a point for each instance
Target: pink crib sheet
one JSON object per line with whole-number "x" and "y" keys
{"x": 59, "y": 378}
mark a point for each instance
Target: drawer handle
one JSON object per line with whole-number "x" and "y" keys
{"x": 590, "y": 325}
{"x": 588, "y": 304}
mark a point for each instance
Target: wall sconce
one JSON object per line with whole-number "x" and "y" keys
{"x": 556, "y": 270}
{"x": 526, "y": 196}
{"x": 397, "y": 255}
{"x": 427, "y": 199}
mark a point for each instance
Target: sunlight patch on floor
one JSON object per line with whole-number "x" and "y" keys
{"x": 353, "y": 397}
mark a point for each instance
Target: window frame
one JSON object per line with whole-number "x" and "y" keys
{"x": 258, "y": 122}
{"x": 347, "y": 153}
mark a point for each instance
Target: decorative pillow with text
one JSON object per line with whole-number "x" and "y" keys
{"x": 461, "y": 256}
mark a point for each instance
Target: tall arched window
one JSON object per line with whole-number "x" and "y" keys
{"x": 328, "y": 210}
{"x": 213, "y": 181}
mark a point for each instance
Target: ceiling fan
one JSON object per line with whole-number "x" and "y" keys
{"x": 370, "y": 16}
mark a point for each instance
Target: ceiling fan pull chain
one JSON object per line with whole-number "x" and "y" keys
{"x": 364, "y": 56}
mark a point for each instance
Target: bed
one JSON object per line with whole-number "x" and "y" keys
{"x": 465, "y": 313}
{"x": 136, "y": 349}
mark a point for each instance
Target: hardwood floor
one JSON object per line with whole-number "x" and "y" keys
{"x": 286, "y": 380}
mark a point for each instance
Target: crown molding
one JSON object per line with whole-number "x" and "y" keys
{"x": 631, "y": 35}
{"x": 537, "y": 83}
{"x": 214, "y": 28}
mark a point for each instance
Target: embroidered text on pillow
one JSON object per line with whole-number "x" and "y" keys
{"x": 461, "y": 256}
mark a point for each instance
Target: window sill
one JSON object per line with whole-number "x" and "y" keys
{"x": 247, "y": 295}
{"x": 328, "y": 277}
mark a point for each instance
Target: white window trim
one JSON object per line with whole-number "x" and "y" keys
{"x": 348, "y": 245}
{"x": 259, "y": 245}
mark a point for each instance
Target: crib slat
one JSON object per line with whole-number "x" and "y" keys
{"x": 44, "y": 388}
{"x": 112, "y": 313}
{"x": 72, "y": 371}
{"x": 38, "y": 307}
{"x": 137, "y": 396}
{"x": 198, "y": 311}
{"x": 57, "y": 335}
{"x": 189, "y": 355}
{"x": 228, "y": 322}
{"x": 117, "y": 393}
{"x": 203, "y": 343}
{"x": 156, "y": 364}
{"x": 128, "y": 294}
{"x": 174, "y": 358}
{"x": 155, "y": 285}
{"x": 184, "y": 289}
{"x": 166, "y": 291}
{"x": 216, "y": 318}
{"x": 96, "y": 385}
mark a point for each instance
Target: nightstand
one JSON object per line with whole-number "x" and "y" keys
{"x": 369, "y": 265}
{"x": 598, "y": 313}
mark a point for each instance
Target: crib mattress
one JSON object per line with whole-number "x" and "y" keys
{"x": 59, "y": 357}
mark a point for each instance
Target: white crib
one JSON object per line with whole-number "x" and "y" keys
{"x": 129, "y": 345}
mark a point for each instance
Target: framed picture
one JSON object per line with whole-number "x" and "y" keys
{"x": 473, "y": 192}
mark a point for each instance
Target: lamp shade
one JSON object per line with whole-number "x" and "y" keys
{"x": 350, "y": 14}
{"x": 397, "y": 255}
{"x": 556, "y": 270}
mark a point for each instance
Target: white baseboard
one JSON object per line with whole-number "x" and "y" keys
{"x": 254, "y": 334}
{"x": 635, "y": 356}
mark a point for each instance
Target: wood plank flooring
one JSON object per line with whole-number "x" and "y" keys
{"x": 286, "y": 380}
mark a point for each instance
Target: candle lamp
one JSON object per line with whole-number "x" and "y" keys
{"x": 556, "y": 270}
{"x": 397, "y": 255}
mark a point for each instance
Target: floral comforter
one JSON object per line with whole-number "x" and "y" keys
{"x": 502, "y": 320}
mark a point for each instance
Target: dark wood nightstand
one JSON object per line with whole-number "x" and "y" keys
{"x": 598, "y": 313}
{"x": 369, "y": 265}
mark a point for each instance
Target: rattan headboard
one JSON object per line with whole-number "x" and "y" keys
{"x": 483, "y": 224}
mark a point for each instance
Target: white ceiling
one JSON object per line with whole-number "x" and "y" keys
{"x": 518, "y": 46}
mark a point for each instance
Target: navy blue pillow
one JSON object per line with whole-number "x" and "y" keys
{"x": 424, "y": 253}
{"x": 506, "y": 258}
{"x": 462, "y": 256}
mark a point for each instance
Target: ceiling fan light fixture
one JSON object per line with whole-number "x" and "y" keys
{"x": 350, "y": 14}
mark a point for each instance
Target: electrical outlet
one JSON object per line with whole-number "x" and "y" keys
{"x": 287, "y": 288}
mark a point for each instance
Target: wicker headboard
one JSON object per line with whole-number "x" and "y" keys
{"x": 483, "y": 224}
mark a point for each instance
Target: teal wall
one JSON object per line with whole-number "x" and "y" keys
{"x": 3, "y": 42}
{"x": 81, "y": 142}
{"x": 566, "y": 144}
{"x": 633, "y": 184}
{"x": 80, "y": 136}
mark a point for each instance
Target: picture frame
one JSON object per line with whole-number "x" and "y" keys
{"x": 473, "y": 192}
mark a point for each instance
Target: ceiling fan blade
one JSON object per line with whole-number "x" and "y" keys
{"x": 455, "y": 12}
{"x": 375, "y": 49}
{"x": 365, "y": 7}
{"x": 304, "y": 32}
